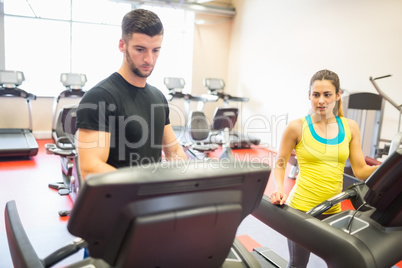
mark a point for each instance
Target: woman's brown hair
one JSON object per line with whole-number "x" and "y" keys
{"x": 334, "y": 79}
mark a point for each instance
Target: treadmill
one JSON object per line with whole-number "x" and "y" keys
{"x": 369, "y": 236}
{"x": 16, "y": 142}
{"x": 176, "y": 85}
{"x": 156, "y": 216}
{"x": 72, "y": 95}
{"x": 63, "y": 133}
{"x": 160, "y": 216}
{"x": 238, "y": 140}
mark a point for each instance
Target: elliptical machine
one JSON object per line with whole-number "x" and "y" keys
{"x": 64, "y": 135}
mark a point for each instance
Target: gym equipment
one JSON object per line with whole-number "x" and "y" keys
{"x": 64, "y": 129}
{"x": 199, "y": 130}
{"x": 220, "y": 132}
{"x": 216, "y": 86}
{"x": 70, "y": 170}
{"x": 224, "y": 120}
{"x": 74, "y": 83}
{"x": 156, "y": 216}
{"x": 16, "y": 142}
{"x": 367, "y": 110}
{"x": 369, "y": 236}
{"x": 215, "y": 89}
{"x": 175, "y": 85}
{"x": 396, "y": 141}
{"x": 193, "y": 135}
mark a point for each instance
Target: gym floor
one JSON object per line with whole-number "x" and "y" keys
{"x": 26, "y": 180}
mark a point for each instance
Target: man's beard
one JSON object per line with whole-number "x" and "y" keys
{"x": 134, "y": 68}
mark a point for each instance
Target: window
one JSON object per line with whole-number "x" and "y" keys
{"x": 44, "y": 38}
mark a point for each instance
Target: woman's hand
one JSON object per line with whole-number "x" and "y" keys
{"x": 278, "y": 198}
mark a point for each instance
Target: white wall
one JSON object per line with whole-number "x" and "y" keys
{"x": 272, "y": 48}
{"x": 211, "y": 54}
{"x": 276, "y": 46}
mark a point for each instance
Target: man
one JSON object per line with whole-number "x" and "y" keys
{"x": 123, "y": 121}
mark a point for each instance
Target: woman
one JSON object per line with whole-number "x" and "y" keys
{"x": 323, "y": 141}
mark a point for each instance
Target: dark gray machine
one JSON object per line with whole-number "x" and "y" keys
{"x": 176, "y": 86}
{"x": 193, "y": 130}
{"x": 65, "y": 148}
{"x": 215, "y": 88}
{"x": 182, "y": 214}
{"x": 367, "y": 110}
{"x": 16, "y": 142}
{"x": 74, "y": 83}
{"x": 370, "y": 236}
{"x": 163, "y": 217}
{"x": 64, "y": 129}
{"x": 222, "y": 124}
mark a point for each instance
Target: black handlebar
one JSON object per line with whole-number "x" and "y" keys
{"x": 324, "y": 206}
{"x": 380, "y": 77}
{"x": 382, "y": 94}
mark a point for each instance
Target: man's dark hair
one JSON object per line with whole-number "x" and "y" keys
{"x": 141, "y": 21}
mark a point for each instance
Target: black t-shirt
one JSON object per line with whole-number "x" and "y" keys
{"x": 135, "y": 117}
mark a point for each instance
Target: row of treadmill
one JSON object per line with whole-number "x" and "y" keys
{"x": 161, "y": 216}
{"x": 19, "y": 142}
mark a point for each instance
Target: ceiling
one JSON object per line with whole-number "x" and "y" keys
{"x": 213, "y": 7}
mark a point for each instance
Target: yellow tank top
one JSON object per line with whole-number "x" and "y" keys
{"x": 321, "y": 164}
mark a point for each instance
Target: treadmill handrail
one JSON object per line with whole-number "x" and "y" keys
{"x": 71, "y": 92}
{"x": 16, "y": 92}
{"x": 329, "y": 203}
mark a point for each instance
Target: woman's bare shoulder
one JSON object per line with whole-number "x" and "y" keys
{"x": 294, "y": 129}
{"x": 296, "y": 124}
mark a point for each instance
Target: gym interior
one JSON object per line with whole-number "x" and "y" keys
{"x": 252, "y": 59}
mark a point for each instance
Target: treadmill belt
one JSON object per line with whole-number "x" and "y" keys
{"x": 17, "y": 142}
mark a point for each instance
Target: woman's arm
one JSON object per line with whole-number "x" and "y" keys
{"x": 290, "y": 138}
{"x": 356, "y": 157}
